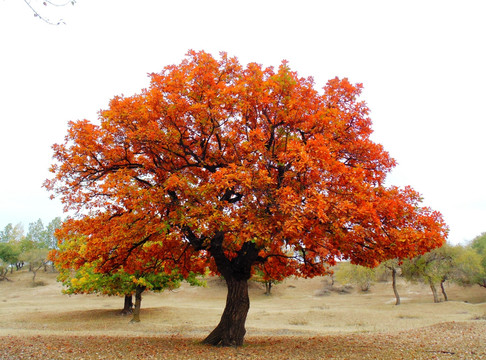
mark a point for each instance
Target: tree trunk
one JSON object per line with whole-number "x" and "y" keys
{"x": 236, "y": 272}
{"x": 394, "y": 284}
{"x": 34, "y": 271}
{"x": 268, "y": 287}
{"x": 434, "y": 291}
{"x": 138, "y": 302}
{"x": 443, "y": 290}
{"x": 3, "y": 275}
{"x": 231, "y": 328}
{"x": 128, "y": 305}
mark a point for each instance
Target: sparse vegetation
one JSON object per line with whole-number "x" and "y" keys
{"x": 480, "y": 317}
{"x": 294, "y": 323}
{"x": 303, "y": 309}
{"x": 361, "y": 276}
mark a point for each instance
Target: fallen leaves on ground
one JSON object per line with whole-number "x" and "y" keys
{"x": 465, "y": 340}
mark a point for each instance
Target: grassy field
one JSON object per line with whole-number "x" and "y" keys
{"x": 302, "y": 319}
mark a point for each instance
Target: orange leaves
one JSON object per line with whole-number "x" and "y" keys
{"x": 255, "y": 154}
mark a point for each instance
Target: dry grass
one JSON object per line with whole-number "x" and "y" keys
{"x": 294, "y": 323}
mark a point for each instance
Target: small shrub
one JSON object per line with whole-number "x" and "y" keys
{"x": 479, "y": 317}
{"x": 401, "y": 316}
{"x": 298, "y": 322}
{"x": 322, "y": 292}
{"x": 361, "y": 276}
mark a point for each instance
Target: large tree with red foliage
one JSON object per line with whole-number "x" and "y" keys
{"x": 226, "y": 166}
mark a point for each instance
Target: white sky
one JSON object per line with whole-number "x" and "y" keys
{"x": 422, "y": 63}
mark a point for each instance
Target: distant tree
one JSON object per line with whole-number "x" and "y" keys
{"x": 15, "y": 247}
{"x": 13, "y": 240}
{"x": 436, "y": 267}
{"x": 479, "y": 243}
{"x": 50, "y": 237}
{"x": 37, "y": 234}
{"x": 80, "y": 276}
{"x": 119, "y": 283}
{"x": 9, "y": 254}
{"x": 12, "y": 233}
{"x": 449, "y": 265}
{"x": 43, "y": 236}
{"x": 260, "y": 277}
{"x": 3, "y": 270}
{"x": 392, "y": 266}
{"x": 468, "y": 268}
{"x": 361, "y": 276}
{"x": 26, "y": 245}
{"x": 263, "y": 274}
{"x": 479, "y": 246}
{"x": 36, "y": 258}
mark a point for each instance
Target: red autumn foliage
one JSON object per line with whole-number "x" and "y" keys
{"x": 226, "y": 166}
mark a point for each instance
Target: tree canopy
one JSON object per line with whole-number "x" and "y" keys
{"x": 478, "y": 244}
{"x": 221, "y": 165}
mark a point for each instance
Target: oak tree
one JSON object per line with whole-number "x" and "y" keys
{"x": 229, "y": 166}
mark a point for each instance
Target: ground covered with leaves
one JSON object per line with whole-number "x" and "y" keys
{"x": 302, "y": 319}
{"x": 465, "y": 340}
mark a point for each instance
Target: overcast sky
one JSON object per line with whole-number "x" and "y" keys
{"x": 422, "y": 64}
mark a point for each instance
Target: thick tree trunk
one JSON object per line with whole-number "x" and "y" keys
{"x": 138, "y": 303}
{"x": 394, "y": 284}
{"x": 127, "y": 305}
{"x": 443, "y": 290}
{"x": 231, "y": 328}
{"x": 434, "y": 291}
{"x": 236, "y": 272}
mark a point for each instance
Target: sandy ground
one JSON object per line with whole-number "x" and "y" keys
{"x": 296, "y": 309}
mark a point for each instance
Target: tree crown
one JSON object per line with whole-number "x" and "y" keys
{"x": 223, "y": 165}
